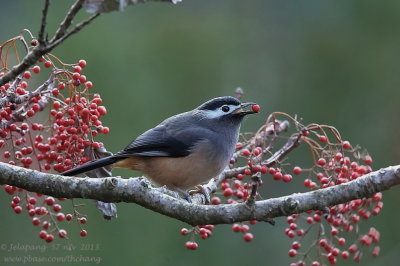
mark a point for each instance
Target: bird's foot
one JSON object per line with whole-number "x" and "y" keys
{"x": 187, "y": 196}
{"x": 204, "y": 192}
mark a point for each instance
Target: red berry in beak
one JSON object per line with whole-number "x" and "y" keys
{"x": 255, "y": 108}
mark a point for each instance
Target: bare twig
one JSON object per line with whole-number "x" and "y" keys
{"x": 66, "y": 23}
{"x": 45, "y": 46}
{"x": 76, "y": 29}
{"x": 290, "y": 145}
{"x": 136, "y": 190}
{"x": 44, "y": 22}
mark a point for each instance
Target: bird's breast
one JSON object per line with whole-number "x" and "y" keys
{"x": 204, "y": 162}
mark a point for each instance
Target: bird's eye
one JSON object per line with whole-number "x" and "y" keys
{"x": 225, "y": 108}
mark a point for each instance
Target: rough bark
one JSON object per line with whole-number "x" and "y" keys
{"x": 138, "y": 190}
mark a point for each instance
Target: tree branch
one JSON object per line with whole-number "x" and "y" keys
{"x": 42, "y": 30}
{"x": 137, "y": 190}
{"x": 76, "y": 29}
{"x": 45, "y": 46}
{"x": 66, "y": 23}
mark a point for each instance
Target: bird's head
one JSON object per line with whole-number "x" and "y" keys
{"x": 226, "y": 108}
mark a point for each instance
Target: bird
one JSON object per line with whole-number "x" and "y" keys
{"x": 184, "y": 150}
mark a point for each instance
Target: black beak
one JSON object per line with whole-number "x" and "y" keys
{"x": 241, "y": 110}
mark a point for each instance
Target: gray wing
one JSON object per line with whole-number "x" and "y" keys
{"x": 163, "y": 141}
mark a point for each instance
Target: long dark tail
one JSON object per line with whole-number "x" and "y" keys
{"x": 91, "y": 165}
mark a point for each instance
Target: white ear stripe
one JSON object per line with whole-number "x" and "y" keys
{"x": 210, "y": 114}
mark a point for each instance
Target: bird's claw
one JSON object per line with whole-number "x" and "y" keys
{"x": 204, "y": 192}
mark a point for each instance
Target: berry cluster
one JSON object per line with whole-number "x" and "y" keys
{"x": 335, "y": 232}
{"x": 205, "y": 231}
{"x": 48, "y": 128}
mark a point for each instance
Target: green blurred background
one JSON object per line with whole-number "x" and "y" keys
{"x": 330, "y": 62}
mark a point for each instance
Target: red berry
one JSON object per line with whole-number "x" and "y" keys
{"x": 60, "y": 216}
{"x": 215, "y": 201}
{"x": 227, "y": 192}
{"x": 255, "y": 108}
{"x": 323, "y": 138}
{"x": 82, "y": 63}
{"x": 16, "y": 199}
{"x": 49, "y": 238}
{"x": 334, "y": 231}
{"x": 83, "y": 233}
{"x": 77, "y": 69}
{"x": 296, "y": 245}
{"x": 236, "y": 227}
{"x": 76, "y": 76}
{"x": 102, "y": 110}
{"x": 293, "y": 226}
{"x": 341, "y": 241}
{"x": 184, "y": 231}
{"x": 18, "y": 209}
{"x": 346, "y": 145}
{"x": 335, "y": 252}
{"x": 290, "y": 233}
{"x": 324, "y": 180}
{"x": 32, "y": 200}
{"x": 55, "y": 92}
{"x": 57, "y": 207}
{"x": 278, "y": 176}
{"x": 89, "y": 84}
{"x": 248, "y": 237}
{"x": 82, "y": 78}
{"x": 292, "y": 252}
{"x": 375, "y": 251}
{"x": 83, "y": 220}
{"x": 191, "y": 245}
{"x": 24, "y": 84}
{"x": 7, "y": 155}
{"x": 287, "y": 178}
{"x": 368, "y": 160}
{"x": 245, "y": 228}
{"x": 30, "y": 113}
{"x": 321, "y": 161}
{"x": 36, "y": 107}
{"x": 264, "y": 169}
{"x": 297, "y": 170}
{"x": 105, "y": 130}
{"x": 56, "y": 104}
{"x": 47, "y": 64}
{"x": 50, "y": 201}
{"x": 42, "y": 234}
{"x": 246, "y": 152}
{"x": 27, "y": 75}
{"x": 36, "y": 69}
{"x": 68, "y": 217}
{"x": 323, "y": 242}
{"x": 61, "y": 86}
{"x": 84, "y": 113}
{"x": 353, "y": 248}
{"x": 35, "y": 221}
{"x": 345, "y": 254}
{"x": 62, "y": 233}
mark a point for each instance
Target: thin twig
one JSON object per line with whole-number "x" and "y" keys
{"x": 45, "y": 47}
{"x": 66, "y": 23}
{"x": 76, "y": 29}
{"x": 44, "y": 22}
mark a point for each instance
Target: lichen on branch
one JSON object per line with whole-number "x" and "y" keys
{"x": 137, "y": 190}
